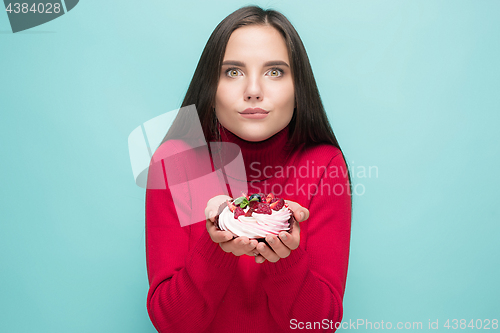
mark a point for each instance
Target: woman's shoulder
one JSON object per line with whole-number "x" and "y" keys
{"x": 171, "y": 148}
{"x": 316, "y": 158}
{"x": 321, "y": 153}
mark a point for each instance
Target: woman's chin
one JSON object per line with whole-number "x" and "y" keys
{"x": 255, "y": 137}
{"x": 257, "y": 132}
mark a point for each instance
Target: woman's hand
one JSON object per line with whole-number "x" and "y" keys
{"x": 282, "y": 247}
{"x": 238, "y": 246}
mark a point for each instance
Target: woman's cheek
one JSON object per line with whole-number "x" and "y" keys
{"x": 227, "y": 93}
{"x": 222, "y": 97}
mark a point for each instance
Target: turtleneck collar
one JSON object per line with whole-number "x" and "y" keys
{"x": 271, "y": 152}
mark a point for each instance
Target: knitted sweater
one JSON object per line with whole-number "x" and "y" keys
{"x": 197, "y": 287}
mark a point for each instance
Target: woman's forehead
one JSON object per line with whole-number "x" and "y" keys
{"x": 256, "y": 44}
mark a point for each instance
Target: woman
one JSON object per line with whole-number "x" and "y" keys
{"x": 254, "y": 87}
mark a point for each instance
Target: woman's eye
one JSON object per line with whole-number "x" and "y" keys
{"x": 232, "y": 72}
{"x": 276, "y": 72}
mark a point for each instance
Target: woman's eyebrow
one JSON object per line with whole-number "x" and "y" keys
{"x": 242, "y": 64}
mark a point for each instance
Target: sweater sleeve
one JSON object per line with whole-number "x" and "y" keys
{"x": 309, "y": 284}
{"x": 187, "y": 281}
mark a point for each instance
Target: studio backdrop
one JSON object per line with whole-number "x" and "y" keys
{"x": 410, "y": 88}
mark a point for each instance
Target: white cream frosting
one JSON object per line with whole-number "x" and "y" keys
{"x": 257, "y": 225}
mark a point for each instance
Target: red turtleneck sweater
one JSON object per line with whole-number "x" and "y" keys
{"x": 197, "y": 287}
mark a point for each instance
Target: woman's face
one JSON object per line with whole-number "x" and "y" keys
{"x": 255, "y": 74}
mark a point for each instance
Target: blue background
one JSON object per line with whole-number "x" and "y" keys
{"x": 410, "y": 87}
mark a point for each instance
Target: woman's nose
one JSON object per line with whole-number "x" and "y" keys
{"x": 253, "y": 89}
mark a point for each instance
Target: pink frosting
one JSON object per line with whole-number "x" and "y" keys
{"x": 257, "y": 225}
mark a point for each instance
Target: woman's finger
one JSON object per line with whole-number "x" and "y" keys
{"x": 267, "y": 252}
{"x": 259, "y": 259}
{"x": 291, "y": 240}
{"x": 210, "y": 214}
{"x": 218, "y": 236}
{"x": 300, "y": 213}
{"x": 238, "y": 246}
{"x": 213, "y": 205}
{"x": 277, "y": 246}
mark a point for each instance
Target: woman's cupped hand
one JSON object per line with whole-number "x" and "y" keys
{"x": 279, "y": 246}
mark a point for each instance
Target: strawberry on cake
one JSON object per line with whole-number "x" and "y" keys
{"x": 255, "y": 216}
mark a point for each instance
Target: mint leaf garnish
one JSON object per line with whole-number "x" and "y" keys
{"x": 242, "y": 201}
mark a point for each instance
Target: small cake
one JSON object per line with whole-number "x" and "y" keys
{"x": 255, "y": 216}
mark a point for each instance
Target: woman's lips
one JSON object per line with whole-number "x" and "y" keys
{"x": 256, "y": 113}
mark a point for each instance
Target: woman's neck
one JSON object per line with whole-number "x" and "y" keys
{"x": 269, "y": 153}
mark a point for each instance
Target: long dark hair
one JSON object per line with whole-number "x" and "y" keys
{"x": 309, "y": 124}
